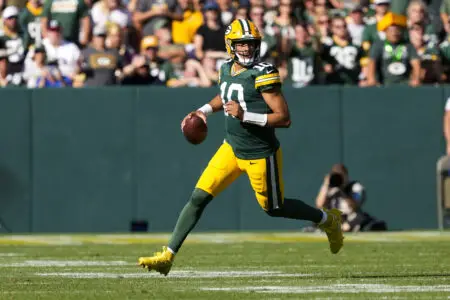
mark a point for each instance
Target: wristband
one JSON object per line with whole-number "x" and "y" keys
{"x": 254, "y": 118}
{"x": 206, "y": 109}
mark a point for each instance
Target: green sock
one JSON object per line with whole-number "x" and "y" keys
{"x": 189, "y": 216}
{"x": 297, "y": 209}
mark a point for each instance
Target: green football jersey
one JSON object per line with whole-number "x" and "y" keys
{"x": 393, "y": 61}
{"x": 247, "y": 140}
{"x": 30, "y": 21}
{"x": 16, "y": 52}
{"x": 345, "y": 59}
{"x": 303, "y": 66}
{"x": 68, "y": 13}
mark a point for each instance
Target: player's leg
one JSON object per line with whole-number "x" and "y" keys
{"x": 267, "y": 181}
{"x": 221, "y": 171}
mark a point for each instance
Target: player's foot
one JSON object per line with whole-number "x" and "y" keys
{"x": 332, "y": 228}
{"x": 160, "y": 261}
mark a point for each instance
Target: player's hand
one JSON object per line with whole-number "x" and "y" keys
{"x": 198, "y": 113}
{"x": 234, "y": 109}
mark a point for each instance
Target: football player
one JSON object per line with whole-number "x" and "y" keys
{"x": 251, "y": 97}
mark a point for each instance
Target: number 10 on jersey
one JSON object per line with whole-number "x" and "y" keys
{"x": 226, "y": 93}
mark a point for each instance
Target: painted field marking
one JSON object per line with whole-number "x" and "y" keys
{"x": 11, "y": 254}
{"x": 219, "y": 238}
{"x": 66, "y": 263}
{"x": 174, "y": 274}
{"x": 336, "y": 288}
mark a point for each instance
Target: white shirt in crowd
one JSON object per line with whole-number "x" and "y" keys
{"x": 447, "y": 104}
{"x": 356, "y": 32}
{"x": 100, "y": 17}
{"x": 67, "y": 55}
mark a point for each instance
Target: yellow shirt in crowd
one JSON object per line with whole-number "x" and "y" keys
{"x": 183, "y": 31}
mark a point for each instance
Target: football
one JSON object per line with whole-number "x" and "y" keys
{"x": 195, "y": 129}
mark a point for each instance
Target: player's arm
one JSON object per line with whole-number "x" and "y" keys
{"x": 279, "y": 117}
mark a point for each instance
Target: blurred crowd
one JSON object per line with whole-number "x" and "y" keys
{"x": 79, "y": 43}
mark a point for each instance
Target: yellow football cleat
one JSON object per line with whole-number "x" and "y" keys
{"x": 160, "y": 261}
{"x": 332, "y": 228}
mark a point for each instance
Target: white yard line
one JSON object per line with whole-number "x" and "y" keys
{"x": 174, "y": 274}
{"x": 66, "y": 263}
{"x": 11, "y": 254}
{"x": 336, "y": 288}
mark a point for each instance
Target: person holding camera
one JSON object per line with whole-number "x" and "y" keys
{"x": 339, "y": 192}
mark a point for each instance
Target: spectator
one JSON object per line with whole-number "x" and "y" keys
{"x": 355, "y": 25}
{"x": 337, "y": 191}
{"x": 322, "y": 27}
{"x": 114, "y": 40}
{"x": 151, "y": 15}
{"x": 167, "y": 49}
{"x": 100, "y": 64}
{"x": 397, "y": 60}
{"x": 105, "y": 12}
{"x": 159, "y": 72}
{"x": 140, "y": 74}
{"x": 36, "y": 68}
{"x": 303, "y": 65}
{"x": 418, "y": 14}
{"x": 430, "y": 62}
{"x": 46, "y": 76}
{"x": 8, "y": 79}
{"x": 371, "y": 34}
{"x": 341, "y": 57}
{"x": 269, "y": 51}
{"x": 210, "y": 36}
{"x": 183, "y": 32}
{"x": 30, "y": 22}
{"x": 73, "y": 15}
{"x": 242, "y": 12}
{"x": 63, "y": 54}
{"x": 211, "y": 67}
{"x": 191, "y": 74}
{"x": 226, "y": 11}
{"x": 283, "y": 24}
{"x": 256, "y": 14}
{"x": 12, "y": 40}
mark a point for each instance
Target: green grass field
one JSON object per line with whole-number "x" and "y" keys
{"x": 406, "y": 265}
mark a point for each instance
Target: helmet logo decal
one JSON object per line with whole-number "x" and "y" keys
{"x": 228, "y": 30}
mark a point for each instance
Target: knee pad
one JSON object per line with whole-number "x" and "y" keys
{"x": 200, "y": 198}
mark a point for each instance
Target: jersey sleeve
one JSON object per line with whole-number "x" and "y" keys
{"x": 267, "y": 77}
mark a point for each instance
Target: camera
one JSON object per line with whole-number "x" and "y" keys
{"x": 336, "y": 180}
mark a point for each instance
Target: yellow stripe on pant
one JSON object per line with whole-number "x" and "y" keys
{"x": 265, "y": 175}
